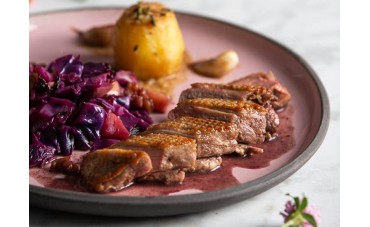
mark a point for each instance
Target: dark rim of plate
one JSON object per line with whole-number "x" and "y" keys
{"x": 252, "y": 188}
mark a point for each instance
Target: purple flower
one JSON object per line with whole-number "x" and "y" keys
{"x": 289, "y": 209}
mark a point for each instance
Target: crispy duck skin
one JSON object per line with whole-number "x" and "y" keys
{"x": 204, "y": 165}
{"x": 251, "y": 117}
{"x": 167, "y": 152}
{"x": 267, "y": 80}
{"x": 257, "y": 94}
{"x": 202, "y": 112}
{"x": 212, "y": 137}
{"x": 226, "y": 105}
{"x": 169, "y": 177}
{"x": 107, "y": 170}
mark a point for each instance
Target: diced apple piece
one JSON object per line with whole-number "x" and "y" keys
{"x": 108, "y": 89}
{"x": 115, "y": 89}
{"x": 113, "y": 128}
{"x": 160, "y": 100}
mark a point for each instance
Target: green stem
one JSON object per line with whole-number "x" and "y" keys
{"x": 296, "y": 220}
{"x": 290, "y": 223}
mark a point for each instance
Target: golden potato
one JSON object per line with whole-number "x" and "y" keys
{"x": 149, "y": 41}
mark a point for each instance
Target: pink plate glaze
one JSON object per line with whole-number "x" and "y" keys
{"x": 303, "y": 122}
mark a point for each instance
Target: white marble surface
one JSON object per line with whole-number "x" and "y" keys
{"x": 310, "y": 28}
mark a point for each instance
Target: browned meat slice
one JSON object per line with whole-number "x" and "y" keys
{"x": 212, "y": 137}
{"x": 250, "y": 117}
{"x": 167, "y": 152}
{"x": 166, "y": 177}
{"x": 204, "y": 165}
{"x": 257, "y": 94}
{"x": 108, "y": 170}
{"x": 268, "y": 80}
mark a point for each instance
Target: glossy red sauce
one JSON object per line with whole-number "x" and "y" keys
{"x": 233, "y": 171}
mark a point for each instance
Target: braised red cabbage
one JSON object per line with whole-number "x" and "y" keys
{"x": 40, "y": 153}
{"x": 69, "y": 101}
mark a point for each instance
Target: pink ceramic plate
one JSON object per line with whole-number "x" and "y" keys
{"x": 303, "y": 123}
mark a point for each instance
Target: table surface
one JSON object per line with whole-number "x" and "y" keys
{"x": 310, "y": 28}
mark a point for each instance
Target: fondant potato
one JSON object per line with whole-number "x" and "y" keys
{"x": 149, "y": 41}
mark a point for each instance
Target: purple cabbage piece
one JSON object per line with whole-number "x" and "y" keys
{"x": 125, "y": 77}
{"x": 74, "y": 69}
{"x": 52, "y": 109}
{"x": 65, "y": 64}
{"x": 91, "y": 115}
{"x": 107, "y": 104}
{"x": 124, "y": 101}
{"x": 49, "y": 136}
{"x": 142, "y": 114}
{"x": 71, "y": 92}
{"x": 39, "y": 153}
{"x": 55, "y": 106}
{"x": 36, "y": 98}
{"x": 96, "y": 81}
{"x": 48, "y": 77}
{"x": 103, "y": 143}
{"x": 94, "y": 69}
{"x": 61, "y": 118}
{"x": 40, "y": 89}
{"x": 131, "y": 121}
{"x": 81, "y": 142}
{"x": 66, "y": 140}
{"x": 71, "y": 78}
{"x": 90, "y": 120}
{"x": 90, "y": 134}
{"x": 142, "y": 125}
{"x": 57, "y": 66}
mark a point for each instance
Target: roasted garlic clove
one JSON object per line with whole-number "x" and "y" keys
{"x": 101, "y": 36}
{"x": 216, "y": 67}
